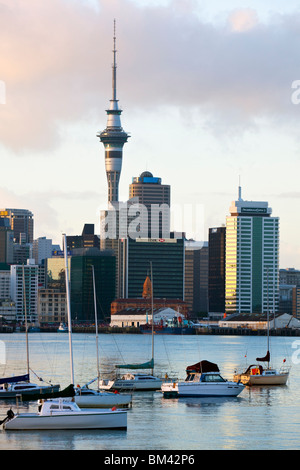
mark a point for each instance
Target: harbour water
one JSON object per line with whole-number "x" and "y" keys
{"x": 260, "y": 418}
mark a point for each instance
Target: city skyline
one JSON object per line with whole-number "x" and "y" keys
{"x": 207, "y": 99}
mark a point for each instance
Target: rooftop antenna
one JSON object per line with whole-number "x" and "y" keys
{"x": 240, "y": 189}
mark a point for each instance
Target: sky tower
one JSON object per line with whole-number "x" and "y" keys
{"x": 113, "y": 137}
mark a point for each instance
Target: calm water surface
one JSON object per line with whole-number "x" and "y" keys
{"x": 265, "y": 418}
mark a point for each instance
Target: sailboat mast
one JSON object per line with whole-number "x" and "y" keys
{"x": 96, "y": 324}
{"x": 68, "y": 308}
{"x": 25, "y": 312}
{"x": 152, "y": 313}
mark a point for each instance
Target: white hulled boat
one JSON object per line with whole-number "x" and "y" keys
{"x": 203, "y": 380}
{"x": 62, "y": 328}
{"x": 65, "y": 414}
{"x": 89, "y": 398}
{"x": 132, "y": 382}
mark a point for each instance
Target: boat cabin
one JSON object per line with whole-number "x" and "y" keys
{"x": 204, "y": 377}
{"x": 137, "y": 377}
{"x": 18, "y": 387}
{"x": 47, "y": 407}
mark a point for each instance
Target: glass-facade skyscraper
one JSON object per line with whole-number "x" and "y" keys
{"x": 81, "y": 281}
{"x": 252, "y": 258}
{"x": 216, "y": 272}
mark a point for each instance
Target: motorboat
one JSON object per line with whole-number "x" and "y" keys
{"x": 203, "y": 380}
{"x": 65, "y": 414}
{"x": 62, "y": 328}
{"x": 10, "y": 387}
{"x": 133, "y": 382}
{"x": 86, "y": 397}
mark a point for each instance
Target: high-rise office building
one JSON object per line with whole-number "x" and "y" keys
{"x": 153, "y": 198}
{"x": 28, "y": 297}
{"x": 289, "y": 276}
{"x": 6, "y": 241}
{"x": 87, "y": 239}
{"x": 21, "y": 223}
{"x": 81, "y": 281}
{"x": 252, "y": 258}
{"x": 4, "y": 281}
{"x": 296, "y": 302}
{"x": 41, "y": 249}
{"x": 113, "y": 138}
{"x": 216, "y": 269}
{"x": 196, "y": 276}
{"x": 167, "y": 257}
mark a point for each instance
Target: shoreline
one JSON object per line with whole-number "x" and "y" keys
{"x": 225, "y": 331}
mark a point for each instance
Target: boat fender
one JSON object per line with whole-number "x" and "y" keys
{"x": 174, "y": 384}
{"x": 116, "y": 392}
{"x": 114, "y": 408}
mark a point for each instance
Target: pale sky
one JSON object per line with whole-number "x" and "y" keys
{"x": 207, "y": 97}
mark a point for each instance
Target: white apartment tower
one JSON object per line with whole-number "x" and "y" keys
{"x": 30, "y": 295}
{"x": 252, "y": 258}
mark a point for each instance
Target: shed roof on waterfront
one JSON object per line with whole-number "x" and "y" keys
{"x": 259, "y": 321}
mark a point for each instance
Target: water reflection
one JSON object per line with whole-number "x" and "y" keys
{"x": 64, "y": 439}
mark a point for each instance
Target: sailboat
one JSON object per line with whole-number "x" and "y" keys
{"x": 60, "y": 413}
{"x": 136, "y": 381}
{"x": 86, "y": 397}
{"x": 256, "y": 374}
{"x": 20, "y": 385}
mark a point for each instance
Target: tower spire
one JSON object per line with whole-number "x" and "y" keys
{"x": 114, "y": 78}
{"x": 113, "y": 137}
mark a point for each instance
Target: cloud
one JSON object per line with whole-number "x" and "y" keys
{"x": 243, "y": 20}
{"x": 290, "y": 195}
{"x": 42, "y": 204}
{"x": 56, "y": 58}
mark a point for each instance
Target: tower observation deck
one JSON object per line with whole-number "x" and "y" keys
{"x": 113, "y": 137}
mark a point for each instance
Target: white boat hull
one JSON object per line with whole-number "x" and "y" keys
{"x": 83, "y": 420}
{"x": 132, "y": 385}
{"x": 103, "y": 400}
{"x": 199, "y": 389}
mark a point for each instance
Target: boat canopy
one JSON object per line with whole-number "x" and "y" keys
{"x": 145, "y": 365}
{"x": 264, "y": 359}
{"x": 203, "y": 366}
{"x": 255, "y": 366}
{"x": 17, "y": 378}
